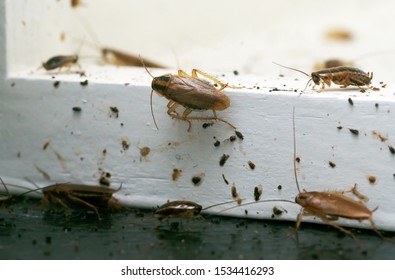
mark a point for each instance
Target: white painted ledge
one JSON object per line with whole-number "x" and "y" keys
{"x": 34, "y": 112}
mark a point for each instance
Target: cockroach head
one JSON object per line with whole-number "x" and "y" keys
{"x": 316, "y": 78}
{"x": 197, "y": 210}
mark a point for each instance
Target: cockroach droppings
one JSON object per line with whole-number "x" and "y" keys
{"x": 217, "y": 143}
{"x": 278, "y": 210}
{"x": 56, "y": 84}
{"x": 144, "y": 151}
{"x": 232, "y": 138}
{"x": 176, "y": 174}
{"x": 339, "y": 127}
{"x": 372, "y": 179}
{"x": 257, "y": 192}
{"x": 114, "y": 112}
{"x": 234, "y": 191}
{"x": 350, "y": 101}
{"x": 226, "y": 181}
{"x": 46, "y": 145}
{"x": 354, "y": 131}
{"x": 77, "y": 109}
{"x": 84, "y": 83}
{"x": 205, "y": 125}
{"x": 297, "y": 159}
{"x": 251, "y": 165}
{"x": 238, "y": 134}
{"x": 223, "y": 159}
{"x": 332, "y": 164}
{"x": 392, "y": 149}
{"x": 279, "y": 187}
{"x": 197, "y": 179}
{"x": 235, "y": 72}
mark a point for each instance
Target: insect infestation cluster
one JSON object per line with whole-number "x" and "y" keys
{"x": 200, "y": 91}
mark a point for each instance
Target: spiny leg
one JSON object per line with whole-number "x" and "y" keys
{"x": 208, "y": 76}
{"x": 72, "y": 197}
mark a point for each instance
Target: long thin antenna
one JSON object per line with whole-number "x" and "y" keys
{"x": 219, "y": 204}
{"x": 152, "y": 91}
{"x": 300, "y": 71}
{"x": 5, "y": 187}
{"x": 261, "y": 201}
{"x": 294, "y": 156}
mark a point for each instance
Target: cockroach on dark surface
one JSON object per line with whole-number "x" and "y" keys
{"x": 71, "y": 196}
{"x": 328, "y": 206}
{"x": 343, "y": 75}
{"x": 192, "y": 93}
{"x": 182, "y": 209}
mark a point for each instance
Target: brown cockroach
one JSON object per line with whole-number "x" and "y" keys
{"x": 71, "y": 196}
{"x": 120, "y": 58}
{"x": 342, "y": 75}
{"x": 60, "y": 61}
{"x": 328, "y": 205}
{"x": 192, "y": 93}
{"x": 183, "y": 209}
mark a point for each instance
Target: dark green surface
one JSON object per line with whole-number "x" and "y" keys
{"x": 29, "y": 231}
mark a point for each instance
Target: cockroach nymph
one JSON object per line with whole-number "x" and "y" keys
{"x": 182, "y": 209}
{"x": 343, "y": 75}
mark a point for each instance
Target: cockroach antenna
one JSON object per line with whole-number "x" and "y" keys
{"x": 152, "y": 91}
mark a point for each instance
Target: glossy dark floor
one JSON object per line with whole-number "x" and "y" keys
{"x": 30, "y": 231}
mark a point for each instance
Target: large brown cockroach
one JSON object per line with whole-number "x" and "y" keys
{"x": 191, "y": 92}
{"x": 328, "y": 206}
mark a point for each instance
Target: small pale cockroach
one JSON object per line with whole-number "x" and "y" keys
{"x": 60, "y": 61}
{"x": 183, "y": 209}
{"x": 192, "y": 93}
{"x": 342, "y": 75}
{"x": 328, "y": 206}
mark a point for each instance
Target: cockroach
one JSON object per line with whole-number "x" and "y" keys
{"x": 183, "y": 209}
{"x": 342, "y": 75}
{"x": 330, "y": 63}
{"x": 120, "y": 58}
{"x": 60, "y": 61}
{"x": 71, "y": 196}
{"x": 192, "y": 93}
{"x": 328, "y": 206}
{"x": 117, "y": 57}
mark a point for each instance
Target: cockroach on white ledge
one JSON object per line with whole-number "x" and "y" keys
{"x": 329, "y": 206}
{"x": 192, "y": 93}
{"x": 342, "y": 75}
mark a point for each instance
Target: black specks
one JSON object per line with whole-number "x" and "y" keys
{"x": 232, "y": 138}
{"x": 223, "y": 159}
{"x": 350, "y": 101}
{"x": 297, "y": 159}
{"x": 196, "y": 180}
{"x": 217, "y": 143}
{"x": 235, "y": 72}
{"x": 105, "y": 179}
{"x": 392, "y": 149}
{"x": 339, "y": 127}
{"x": 84, "y": 83}
{"x": 239, "y": 135}
{"x": 279, "y": 187}
{"x": 251, "y": 164}
{"x": 257, "y": 193}
{"x": 114, "y": 112}
{"x": 226, "y": 181}
{"x": 12, "y": 84}
{"x": 376, "y": 105}
{"x": 77, "y": 109}
{"x": 205, "y": 125}
{"x": 332, "y": 164}
{"x": 56, "y": 84}
{"x": 354, "y": 131}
